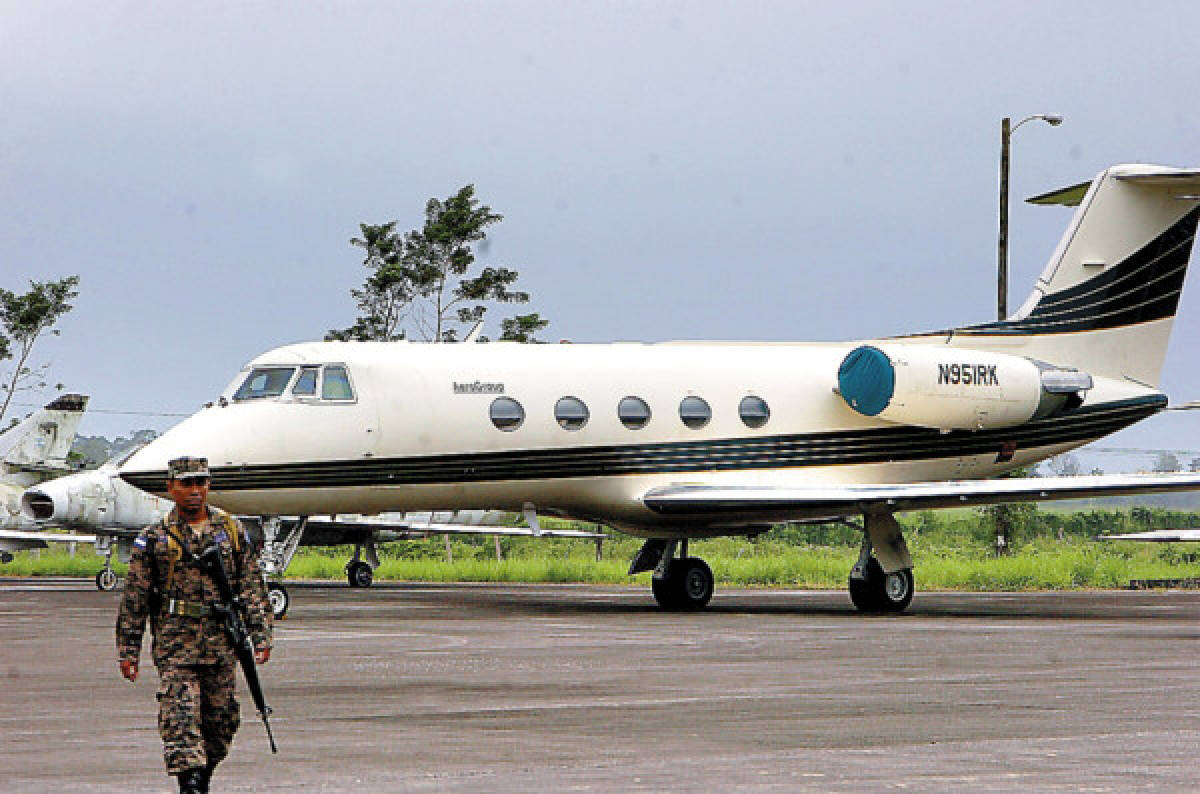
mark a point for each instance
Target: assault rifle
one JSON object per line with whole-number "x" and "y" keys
{"x": 230, "y": 612}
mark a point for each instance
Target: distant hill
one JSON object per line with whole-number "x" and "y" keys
{"x": 89, "y": 452}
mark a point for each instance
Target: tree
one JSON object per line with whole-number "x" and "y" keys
{"x": 1166, "y": 461}
{"x": 424, "y": 276}
{"x": 1007, "y": 518}
{"x": 26, "y": 318}
{"x": 1065, "y": 465}
{"x": 387, "y": 291}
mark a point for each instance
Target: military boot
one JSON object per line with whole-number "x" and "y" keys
{"x": 193, "y": 781}
{"x": 206, "y": 777}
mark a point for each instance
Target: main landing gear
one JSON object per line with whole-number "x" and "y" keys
{"x": 882, "y": 580}
{"x": 680, "y": 583}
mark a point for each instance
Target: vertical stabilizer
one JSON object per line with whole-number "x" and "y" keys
{"x": 1108, "y": 296}
{"x": 44, "y": 438}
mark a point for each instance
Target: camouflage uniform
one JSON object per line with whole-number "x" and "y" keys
{"x": 198, "y": 713}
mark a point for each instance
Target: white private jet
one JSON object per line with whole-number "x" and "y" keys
{"x": 682, "y": 440}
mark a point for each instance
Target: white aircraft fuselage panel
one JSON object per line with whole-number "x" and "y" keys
{"x": 419, "y": 432}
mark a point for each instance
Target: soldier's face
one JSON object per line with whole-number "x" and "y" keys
{"x": 190, "y": 494}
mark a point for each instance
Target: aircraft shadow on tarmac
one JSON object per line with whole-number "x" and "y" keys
{"x": 574, "y": 599}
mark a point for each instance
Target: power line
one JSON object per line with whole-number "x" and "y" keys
{"x": 109, "y": 411}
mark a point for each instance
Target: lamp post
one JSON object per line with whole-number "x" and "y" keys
{"x": 1006, "y": 131}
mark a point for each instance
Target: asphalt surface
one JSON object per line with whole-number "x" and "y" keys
{"x": 579, "y": 688}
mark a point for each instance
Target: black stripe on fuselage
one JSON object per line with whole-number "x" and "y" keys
{"x": 834, "y": 448}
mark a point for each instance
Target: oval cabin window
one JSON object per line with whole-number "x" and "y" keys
{"x": 633, "y": 412}
{"x": 507, "y": 414}
{"x": 570, "y": 413}
{"x": 694, "y": 412}
{"x": 754, "y": 411}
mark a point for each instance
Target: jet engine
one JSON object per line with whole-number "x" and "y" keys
{"x": 952, "y": 388}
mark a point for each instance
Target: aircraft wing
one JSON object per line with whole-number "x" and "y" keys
{"x": 781, "y": 503}
{"x": 326, "y": 531}
{"x": 1158, "y": 536}
{"x": 21, "y": 540}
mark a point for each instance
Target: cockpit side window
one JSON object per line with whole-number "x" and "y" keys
{"x": 336, "y": 384}
{"x": 306, "y": 384}
{"x": 264, "y": 382}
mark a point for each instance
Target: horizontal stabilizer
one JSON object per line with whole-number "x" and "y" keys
{"x": 1064, "y": 197}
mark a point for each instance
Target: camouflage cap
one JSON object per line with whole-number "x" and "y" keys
{"x": 187, "y": 468}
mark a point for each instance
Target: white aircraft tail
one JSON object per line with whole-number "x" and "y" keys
{"x": 44, "y": 438}
{"x": 1108, "y": 296}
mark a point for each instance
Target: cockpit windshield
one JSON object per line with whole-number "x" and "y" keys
{"x": 264, "y": 382}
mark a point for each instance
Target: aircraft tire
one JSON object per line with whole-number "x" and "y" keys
{"x": 359, "y": 574}
{"x": 106, "y": 580}
{"x": 687, "y": 587}
{"x": 880, "y": 592}
{"x": 279, "y": 599}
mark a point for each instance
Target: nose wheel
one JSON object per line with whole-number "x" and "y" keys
{"x": 359, "y": 574}
{"x": 278, "y": 598}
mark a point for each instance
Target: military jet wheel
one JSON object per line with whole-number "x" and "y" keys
{"x": 880, "y": 592}
{"x": 106, "y": 580}
{"x": 277, "y": 596}
{"x": 688, "y": 585}
{"x": 359, "y": 574}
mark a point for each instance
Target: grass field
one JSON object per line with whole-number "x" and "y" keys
{"x": 1040, "y": 564}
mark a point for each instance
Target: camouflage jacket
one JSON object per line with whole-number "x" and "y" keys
{"x": 152, "y": 581}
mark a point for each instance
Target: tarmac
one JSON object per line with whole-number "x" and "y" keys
{"x": 460, "y": 687}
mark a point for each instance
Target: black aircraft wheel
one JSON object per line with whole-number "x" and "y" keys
{"x": 359, "y": 574}
{"x": 664, "y": 591}
{"x": 106, "y": 580}
{"x": 688, "y": 585}
{"x": 880, "y": 592}
{"x": 277, "y": 596}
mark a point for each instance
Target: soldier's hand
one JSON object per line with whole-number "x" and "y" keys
{"x": 262, "y": 656}
{"x": 129, "y": 669}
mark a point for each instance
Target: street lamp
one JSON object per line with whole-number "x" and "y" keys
{"x": 1006, "y": 131}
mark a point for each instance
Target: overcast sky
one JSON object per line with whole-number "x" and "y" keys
{"x": 667, "y": 170}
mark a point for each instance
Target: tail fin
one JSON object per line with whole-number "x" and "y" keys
{"x": 1107, "y": 298}
{"x": 44, "y": 438}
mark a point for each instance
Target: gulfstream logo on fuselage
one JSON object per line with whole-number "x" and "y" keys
{"x": 478, "y": 387}
{"x": 967, "y": 374}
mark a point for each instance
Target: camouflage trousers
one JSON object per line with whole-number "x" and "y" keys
{"x": 197, "y": 714}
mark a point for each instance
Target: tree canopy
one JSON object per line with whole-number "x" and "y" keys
{"x": 25, "y": 318}
{"x": 423, "y": 283}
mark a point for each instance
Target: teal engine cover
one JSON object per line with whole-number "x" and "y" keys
{"x": 867, "y": 380}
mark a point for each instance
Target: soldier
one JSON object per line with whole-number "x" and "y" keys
{"x": 198, "y": 713}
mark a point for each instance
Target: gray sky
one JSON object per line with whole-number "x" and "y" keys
{"x": 739, "y": 170}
